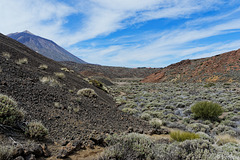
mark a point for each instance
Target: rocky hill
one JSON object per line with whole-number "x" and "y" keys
{"x": 89, "y": 70}
{"x": 220, "y": 68}
{"x": 47, "y": 92}
{"x": 44, "y": 46}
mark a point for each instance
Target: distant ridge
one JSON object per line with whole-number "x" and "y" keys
{"x": 220, "y": 68}
{"x": 45, "y": 47}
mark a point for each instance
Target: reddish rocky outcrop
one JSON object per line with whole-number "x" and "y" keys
{"x": 224, "y": 67}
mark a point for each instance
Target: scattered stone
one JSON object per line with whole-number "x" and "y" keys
{"x": 18, "y": 152}
{"x": 70, "y": 148}
{"x": 30, "y": 157}
{"x": 46, "y": 152}
{"x": 19, "y": 158}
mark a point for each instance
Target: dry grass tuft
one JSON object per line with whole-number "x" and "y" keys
{"x": 22, "y": 61}
{"x": 43, "y": 66}
{"x": 226, "y": 138}
{"x": 50, "y": 81}
{"x": 59, "y": 75}
{"x": 6, "y": 55}
{"x": 181, "y": 136}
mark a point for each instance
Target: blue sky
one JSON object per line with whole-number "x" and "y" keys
{"x": 130, "y": 33}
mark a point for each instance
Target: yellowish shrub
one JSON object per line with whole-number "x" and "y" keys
{"x": 59, "y": 75}
{"x": 22, "y": 61}
{"x": 87, "y": 92}
{"x": 182, "y": 135}
{"x": 223, "y": 139}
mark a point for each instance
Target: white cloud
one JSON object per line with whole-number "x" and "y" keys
{"x": 42, "y": 17}
{"x": 47, "y": 18}
{"x": 173, "y": 45}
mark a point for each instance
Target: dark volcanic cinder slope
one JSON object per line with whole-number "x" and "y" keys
{"x": 224, "y": 67}
{"x": 45, "y": 47}
{"x": 65, "y": 114}
{"x": 110, "y": 72}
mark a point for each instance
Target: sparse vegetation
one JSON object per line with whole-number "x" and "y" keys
{"x": 6, "y": 152}
{"x": 67, "y": 70}
{"x": 208, "y": 85}
{"x": 22, "y": 61}
{"x": 43, "y": 66}
{"x": 131, "y": 146}
{"x": 50, "y": 81}
{"x": 207, "y": 110}
{"x": 59, "y": 75}
{"x": 9, "y": 113}
{"x": 98, "y": 84}
{"x": 87, "y": 92}
{"x": 129, "y": 110}
{"x": 181, "y": 136}
{"x": 224, "y": 139}
{"x": 36, "y": 130}
{"x": 156, "y": 123}
{"x": 6, "y": 55}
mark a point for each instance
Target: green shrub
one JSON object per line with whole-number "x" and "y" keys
{"x": 145, "y": 116}
{"x": 9, "y": 113}
{"x": 130, "y": 146}
{"x": 181, "y": 136}
{"x": 6, "y": 152}
{"x": 207, "y": 110}
{"x": 98, "y": 84}
{"x": 36, "y": 130}
{"x": 208, "y": 85}
{"x": 129, "y": 110}
{"x": 156, "y": 123}
{"x": 87, "y": 92}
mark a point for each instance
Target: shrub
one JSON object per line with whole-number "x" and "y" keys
{"x": 22, "y": 61}
{"x": 43, "y": 66}
{"x": 98, "y": 84}
{"x": 0, "y": 69}
{"x": 129, "y": 110}
{"x": 87, "y": 92}
{"x": 9, "y": 113}
{"x": 207, "y": 110}
{"x": 36, "y": 130}
{"x": 145, "y": 116}
{"x": 223, "y": 139}
{"x": 130, "y": 146}
{"x": 222, "y": 129}
{"x": 6, "y": 55}
{"x": 208, "y": 85}
{"x": 182, "y": 136}
{"x": 65, "y": 69}
{"x": 198, "y": 127}
{"x": 50, "y": 81}
{"x": 6, "y": 152}
{"x": 156, "y": 123}
{"x": 59, "y": 75}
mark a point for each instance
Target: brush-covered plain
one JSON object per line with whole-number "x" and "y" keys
{"x": 171, "y": 106}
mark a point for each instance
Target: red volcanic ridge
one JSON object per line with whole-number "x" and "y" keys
{"x": 220, "y": 68}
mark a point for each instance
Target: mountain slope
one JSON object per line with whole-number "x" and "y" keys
{"x": 223, "y": 67}
{"x": 89, "y": 70}
{"x": 67, "y": 115}
{"x": 44, "y": 46}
